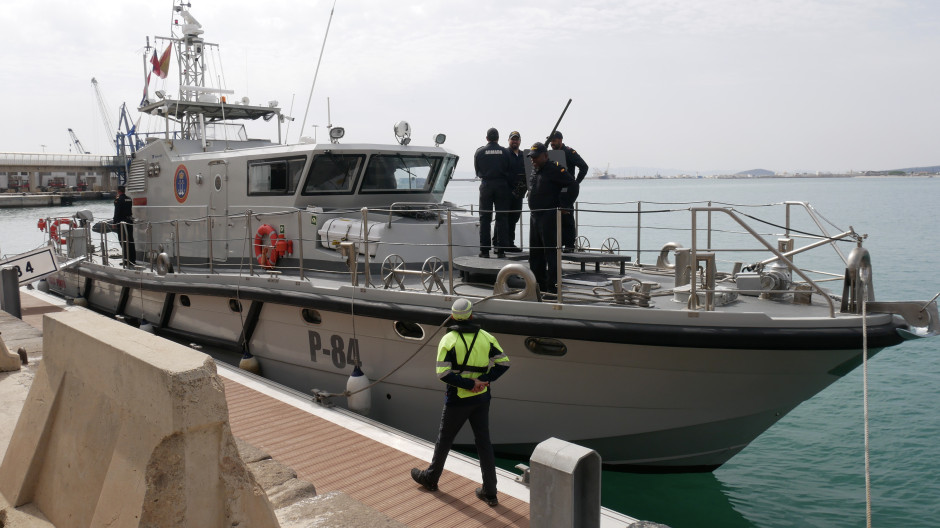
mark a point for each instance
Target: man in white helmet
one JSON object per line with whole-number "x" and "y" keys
{"x": 468, "y": 360}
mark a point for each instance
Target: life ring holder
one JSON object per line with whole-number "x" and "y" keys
{"x": 267, "y": 254}
{"x": 501, "y": 287}
{"x": 53, "y": 226}
{"x": 664, "y": 253}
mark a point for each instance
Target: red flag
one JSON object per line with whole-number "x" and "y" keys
{"x": 164, "y": 68}
{"x": 156, "y": 63}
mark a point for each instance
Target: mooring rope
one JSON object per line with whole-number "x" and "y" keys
{"x": 865, "y": 401}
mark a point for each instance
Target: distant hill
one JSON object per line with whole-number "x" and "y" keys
{"x": 756, "y": 173}
{"x": 935, "y": 169}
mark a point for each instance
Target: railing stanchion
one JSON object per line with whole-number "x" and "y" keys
{"x": 251, "y": 261}
{"x": 693, "y": 295}
{"x": 365, "y": 242}
{"x": 709, "y": 226}
{"x": 639, "y": 222}
{"x": 300, "y": 243}
{"x": 176, "y": 229}
{"x": 209, "y": 236}
{"x": 558, "y": 249}
{"x": 450, "y": 250}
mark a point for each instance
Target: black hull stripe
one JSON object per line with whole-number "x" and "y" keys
{"x": 879, "y": 336}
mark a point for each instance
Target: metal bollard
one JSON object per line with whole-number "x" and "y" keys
{"x": 10, "y": 302}
{"x": 565, "y": 486}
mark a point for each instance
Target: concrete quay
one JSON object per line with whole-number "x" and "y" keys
{"x": 329, "y": 467}
{"x": 46, "y": 199}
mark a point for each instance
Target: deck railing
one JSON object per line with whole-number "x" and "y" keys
{"x": 203, "y": 240}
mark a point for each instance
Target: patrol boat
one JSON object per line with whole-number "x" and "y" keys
{"x": 317, "y": 258}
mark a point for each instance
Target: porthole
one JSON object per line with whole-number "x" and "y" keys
{"x": 218, "y": 182}
{"x": 235, "y": 305}
{"x": 311, "y": 316}
{"x": 546, "y": 346}
{"x": 184, "y": 300}
{"x": 409, "y": 330}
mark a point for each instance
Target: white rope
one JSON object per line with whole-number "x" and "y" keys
{"x": 865, "y": 402}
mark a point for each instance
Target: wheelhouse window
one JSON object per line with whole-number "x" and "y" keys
{"x": 275, "y": 177}
{"x": 399, "y": 173}
{"x": 333, "y": 173}
{"x": 447, "y": 172}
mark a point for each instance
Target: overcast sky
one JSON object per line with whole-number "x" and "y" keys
{"x": 696, "y": 85}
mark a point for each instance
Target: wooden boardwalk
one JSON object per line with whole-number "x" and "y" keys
{"x": 335, "y": 458}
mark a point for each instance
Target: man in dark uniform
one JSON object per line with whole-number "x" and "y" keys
{"x": 469, "y": 359}
{"x": 518, "y": 185}
{"x": 573, "y": 160}
{"x": 125, "y": 231}
{"x": 491, "y": 164}
{"x": 549, "y": 180}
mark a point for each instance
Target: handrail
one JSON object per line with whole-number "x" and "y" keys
{"x": 770, "y": 247}
{"x": 812, "y": 214}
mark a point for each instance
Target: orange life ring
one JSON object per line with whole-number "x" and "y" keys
{"x": 54, "y": 230}
{"x": 267, "y": 254}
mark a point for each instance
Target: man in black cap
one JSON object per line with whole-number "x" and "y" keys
{"x": 573, "y": 160}
{"x": 124, "y": 224}
{"x": 518, "y": 185}
{"x": 491, "y": 163}
{"x": 544, "y": 199}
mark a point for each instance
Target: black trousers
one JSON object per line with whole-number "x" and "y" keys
{"x": 452, "y": 419}
{"x": 515, "y": 205}
{"x": 126, "y": 236}
{"x": 569, "y": 230}
{"x": 494, "y": 193}
{"x": 542, "y": 249}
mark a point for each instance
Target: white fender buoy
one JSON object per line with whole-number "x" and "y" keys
{"x": 43, "y": 286}
{"x": 360, "y": 402}
{"x": 144, "y": 324}
{"x": 250, "y": 363}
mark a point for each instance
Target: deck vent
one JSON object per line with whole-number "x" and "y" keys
{"x": 184, "y": 300}
{"x": 235, "y": 305}
{"x": 409, "y": 330}
{"x": 546, "y": 346}
{"x": 137, "y": 177}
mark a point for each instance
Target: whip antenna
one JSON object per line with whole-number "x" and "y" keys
{"x": 319, "y": 60}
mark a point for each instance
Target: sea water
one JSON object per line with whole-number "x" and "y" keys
{"x": 809, "y": 468}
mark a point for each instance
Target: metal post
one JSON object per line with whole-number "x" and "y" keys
{"x": 209, "y": 236}
{"x": 150, "y": 253}
{"x": 450, "y": 250}
{"x": 787, "y": 234}
{"x": 104, "y": 245}
{"x": 558, "y": 250}
{"x": 251, "y": 261}
{"x": 693, "y": 298}
{"x": 639, "y": 219}
{"x": 365, "y": 242}
{"x": 10, "y": 282}
{"x": 709, "y": 226}
{"x": 176, "y": 228}
{"x": 300, "y": 231}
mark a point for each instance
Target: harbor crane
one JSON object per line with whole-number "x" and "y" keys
{"x": 77, "y": 143}
{"x": 123, "y": 138}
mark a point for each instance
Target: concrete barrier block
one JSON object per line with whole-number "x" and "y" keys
{"x": 123, "y": 428}
{"x": 565, "y": 486}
